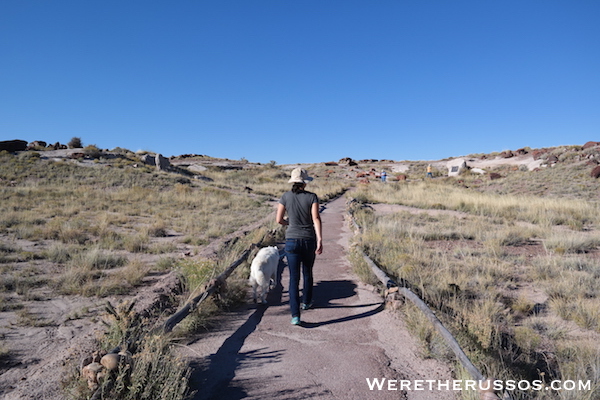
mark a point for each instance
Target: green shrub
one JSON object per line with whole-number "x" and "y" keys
{"x": 75, "y": 143}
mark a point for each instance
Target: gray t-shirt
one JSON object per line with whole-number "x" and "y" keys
{"x": 298, "y": 207}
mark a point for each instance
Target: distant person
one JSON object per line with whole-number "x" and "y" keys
{"x": 429, "y": 174}
{"x": 383, "y": 176}
{"x": 303, "y": 239}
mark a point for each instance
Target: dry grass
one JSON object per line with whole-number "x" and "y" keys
{"x": 474, "y": 267}
{"x": 156, "y": 372}
{"x": 71, "y": 230}
{"x": 94, "y": 228}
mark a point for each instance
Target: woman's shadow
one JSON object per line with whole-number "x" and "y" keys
{"x": 327, "y": 292}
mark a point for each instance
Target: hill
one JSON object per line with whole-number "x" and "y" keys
{"x": 83, "y": 227}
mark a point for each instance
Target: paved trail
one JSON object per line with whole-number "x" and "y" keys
{"x": 346, "y": 339}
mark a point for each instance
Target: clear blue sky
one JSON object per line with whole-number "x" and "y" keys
{"x": 302, "y": 80}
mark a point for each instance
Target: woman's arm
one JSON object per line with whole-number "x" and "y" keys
{"x": 316, "y": 217}
{"x": 280, "y": 215}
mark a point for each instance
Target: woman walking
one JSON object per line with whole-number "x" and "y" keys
{"x": 303, "y": 239}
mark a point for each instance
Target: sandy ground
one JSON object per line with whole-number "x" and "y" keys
{"x": 346, "y": 340}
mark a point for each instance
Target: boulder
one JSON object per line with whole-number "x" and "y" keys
{"x": 36, "y": 144}
{"x": 110, "y": 361}
{"x": 13, "y": 145}
{"x": 494, "y": 176}
{"x": 148, "y": 160}
{"x": 456, "y": 166}
{"x": 90, "y": 373}
{"x": 590, "y": 144}
{"x": 507, "y": 154}
{"x": 347, "y": 161}
{"x": 537, "y": 154}
{"x": 57, "y": 146}
{"x": 595, "y": 172}
{"x": 197, "y": 168}
{"x": 161, "y": 162}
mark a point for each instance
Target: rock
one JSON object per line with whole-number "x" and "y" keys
{"x": 161, "y": 162}
{"x": 90, "y": 373}
{"x": 36, "y": 144}
{"x": 57, "y": 146}
{"x": 347, "y": 161}
{"x": 494, "y": 176}
{"x": 126, "y": 358}
{"x": 590, "y": 144}
{"x": 401, "y": 177}
{"x": 203, "y": 178}
{"x": 197, "y": 168}
{"x": 595, "y": 172}
{"x": 13, "y": 145}
{"x": 148, "y": 160}
{"x": 110, "y": 361}
{"x": 537, "y": 154}
{"x": 507, "y": 154}
{"x": 95, "y": 357}
{"x": 456, "y": 166}
{"x": 552, "y": 159}
{"x": 486, "y": 391}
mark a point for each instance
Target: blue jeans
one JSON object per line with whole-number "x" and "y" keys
{"x": 300, "y": 253}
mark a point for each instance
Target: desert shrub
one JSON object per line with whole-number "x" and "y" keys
{"x": 157, "y": 371}
{"x": 165, "y": 263}
{"x": 573, "y": 243}
{"x": 29, "y": 156}
{"x": 196, "y": 273}
{"x": 157, "y": 229}
{"x": 92, "y": 151}
{"x": 136, "y": 243}
{"x": 75, "y": 143}
{"x": 96, "y": 258}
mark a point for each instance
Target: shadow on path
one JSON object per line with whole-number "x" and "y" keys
{"x": 211, "y": 377}
{"x": 365, "y": 314}
{"x": 326, "y": 292}
{"x": 212, "y": 381}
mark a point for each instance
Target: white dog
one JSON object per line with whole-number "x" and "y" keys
{"x": 264, "y": 269}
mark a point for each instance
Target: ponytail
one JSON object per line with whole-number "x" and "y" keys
{"x": 298, "y": 187}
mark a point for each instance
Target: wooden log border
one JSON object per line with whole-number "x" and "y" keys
{"x": 421, "y": 305}
{"x": 213, "y": 286}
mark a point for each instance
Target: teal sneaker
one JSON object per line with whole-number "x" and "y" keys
{"x": 295, "y": 320}
{"x": 306, "y": 306}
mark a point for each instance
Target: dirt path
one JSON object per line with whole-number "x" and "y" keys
{"x": 348, "y": 338}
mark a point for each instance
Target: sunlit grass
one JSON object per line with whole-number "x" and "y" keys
{"x": 468, "y": 266}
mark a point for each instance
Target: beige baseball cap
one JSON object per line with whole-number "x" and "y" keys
{"x": 299, "y": 175}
